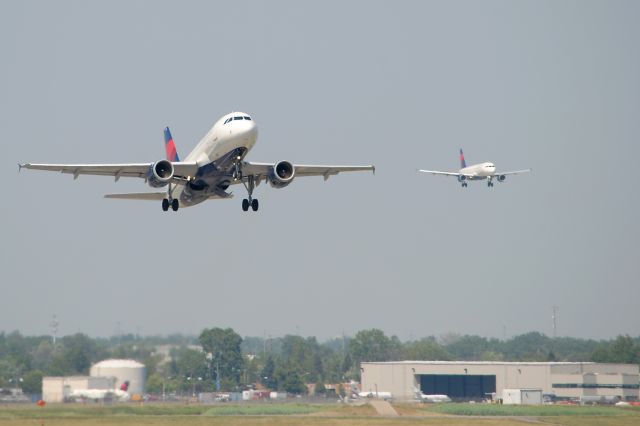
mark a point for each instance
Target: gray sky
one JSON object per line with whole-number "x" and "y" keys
{"x": 549, "y": 85}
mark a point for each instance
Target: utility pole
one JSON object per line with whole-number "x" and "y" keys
{"x": 554, "y": 317}
{"x": 54, "y": 329}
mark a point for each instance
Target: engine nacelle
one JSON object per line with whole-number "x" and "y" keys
{"x": 281, "y": 174}
{"x": 462, "y": 178}
{"x": 160, "y": 174}
{"x": 501, "y": 178}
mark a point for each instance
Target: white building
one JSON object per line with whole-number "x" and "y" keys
{"x": 58, "y": 389}
{"x": 465, "y": 380}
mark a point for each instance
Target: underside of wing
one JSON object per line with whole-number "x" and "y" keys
{"x": 147, "y": 196}
{"x": 152, "y": 196}
{"x": 264, "y": 169}
{"x": 513, "y": 172}
{"x": 139, "y": 170}
{"x": 436, "y": 172}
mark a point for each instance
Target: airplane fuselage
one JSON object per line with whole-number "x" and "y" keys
{"x": 230, "y": 137}
{"x": 479, "y": 171}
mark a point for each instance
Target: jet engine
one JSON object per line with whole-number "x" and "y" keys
{"x": 462, "y": 178}
{"x": 282, "y": 174}
{"x": 160, "y": 174}
{"x": 501, "y": 178}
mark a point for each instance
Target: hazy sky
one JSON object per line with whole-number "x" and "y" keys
{"x": 554, "y": 86}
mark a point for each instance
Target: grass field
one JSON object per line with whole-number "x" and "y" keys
{"x": 314, "y": 415}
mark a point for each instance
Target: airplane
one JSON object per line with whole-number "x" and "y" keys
{"x": 217, "y": 162}
{"x": 476, "y": 172}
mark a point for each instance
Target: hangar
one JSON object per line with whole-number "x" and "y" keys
{"x": 473, "y": 380}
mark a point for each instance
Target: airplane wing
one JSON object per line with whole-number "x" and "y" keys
{"x": 514, "y": 172}
{"x": 151, "y": 196}
{"x": 139, "y": 170}
{"x": 436, "y": 172}
{"x": 262, "y": 170}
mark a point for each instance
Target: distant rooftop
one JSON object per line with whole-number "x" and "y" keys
{"x": 118, "y": 363}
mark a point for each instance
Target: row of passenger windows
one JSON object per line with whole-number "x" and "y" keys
{"x": 245, "y": 117}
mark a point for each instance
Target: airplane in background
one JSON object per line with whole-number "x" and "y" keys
{"x": 216, "y": 163}
{"x": 480, "y": 171}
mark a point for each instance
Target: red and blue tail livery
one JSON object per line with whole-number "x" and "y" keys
{"x": 463, "y": 163}
{"x": 170, "y": 146}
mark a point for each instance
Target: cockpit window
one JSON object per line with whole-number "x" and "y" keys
{"x": 246, "y": 117}
{"x": 237, "y": 118}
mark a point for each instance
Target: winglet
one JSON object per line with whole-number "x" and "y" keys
{"x": 170, "y": 146}
{"x": 463, "y": 163}
{"x": 20, "y": 167}
{"x": 373, "y": 168}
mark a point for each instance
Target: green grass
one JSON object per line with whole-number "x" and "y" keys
{"x": 96, "y": 410}
{"x": 263, "y": 409}
{"x": 531, "y": 410}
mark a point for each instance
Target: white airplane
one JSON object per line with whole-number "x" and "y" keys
{"x": 214, "y": 164}
{"x": 476, "y": 172}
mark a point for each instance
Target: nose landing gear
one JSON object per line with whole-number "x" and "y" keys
{"x": 250, "y": 201}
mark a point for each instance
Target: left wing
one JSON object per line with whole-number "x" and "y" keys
{"x": 262, "y": 170}
{"x": 139, "y": 170}
{"x": 513, "y": 173}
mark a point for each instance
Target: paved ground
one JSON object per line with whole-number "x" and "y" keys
{"x": 383, "y": 408}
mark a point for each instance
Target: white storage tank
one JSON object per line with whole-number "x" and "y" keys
{"x": 124, "y": 370}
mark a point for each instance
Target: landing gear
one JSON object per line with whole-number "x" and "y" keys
{"x": 464, "y": 184}
{"x": 490, "y": 184}
{"x": 174, "y": 204}
{"x": 237, "y": 168}
{"x": 250, "y": 201}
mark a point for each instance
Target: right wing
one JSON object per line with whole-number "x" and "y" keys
{"x": 139, "y": 170}
{"x": 436, "y": 172}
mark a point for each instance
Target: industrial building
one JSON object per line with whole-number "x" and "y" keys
{"x": 59, "y": 389}
{"x": 475, "y": 380}
{"x": 124, "y": 370}
{"x": 105, "y": 377}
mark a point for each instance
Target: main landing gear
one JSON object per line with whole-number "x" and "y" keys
{"x": 174, "y": 204}
{"x": 250, "y": 201}
{"x": 489, "y": 183}
{"x": 464, "y": 184}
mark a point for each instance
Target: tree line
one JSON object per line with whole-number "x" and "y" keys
{"x": 219, "y": 358}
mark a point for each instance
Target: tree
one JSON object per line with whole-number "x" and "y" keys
{"x": 625, "y": 351}
{"x": 32, "y": 382}
{"x": 267, "y": 376}
{"x": 373, "y": 345}
{"x": 425, "y": 350}
{"x": 289, "y": 379}
{"x": 224, "y": 349}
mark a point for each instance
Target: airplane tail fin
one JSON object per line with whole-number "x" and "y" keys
{"x": 170, "y": 146}
{"x": 463, "y": 163}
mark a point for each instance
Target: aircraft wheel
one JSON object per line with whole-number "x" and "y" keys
{"x": 254, "y": 204}
{"x": 175, "y": 204}
{"x": 245, "y": 205}
{"x": 165, "y": 205}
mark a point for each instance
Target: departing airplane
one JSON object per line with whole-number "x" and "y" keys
{"x": 214, "y": 164}
{"x": 476, "y": 172}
